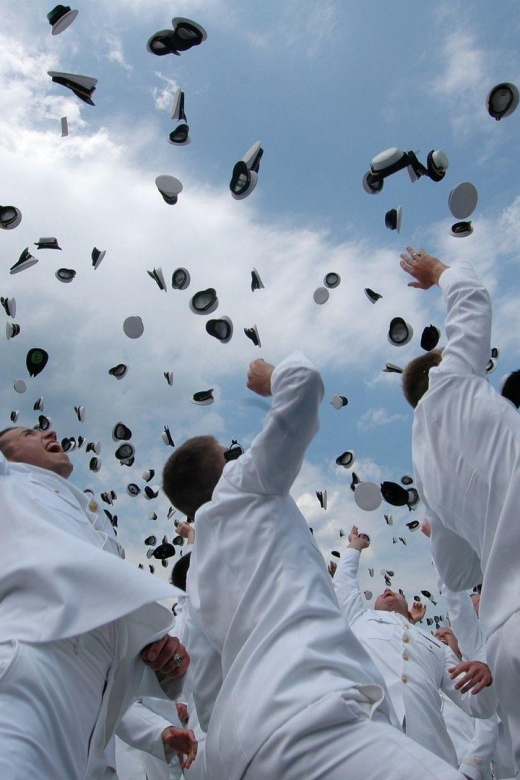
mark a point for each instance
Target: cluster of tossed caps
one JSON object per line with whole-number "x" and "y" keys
{"x": 330, "y": 282}
{"x": 369, "y": 496}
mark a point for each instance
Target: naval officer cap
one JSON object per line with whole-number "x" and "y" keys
{"x": 413, "y": 498}
{"x": 168, "y": 375}
{"x": 14, "y": 415}
{"x": 221, "y": 329}
{"x": 10, "y": 217}
{"x": 151, "y": 492}
{"x": 346, "y": 459}
{"x": 245, "y": 173}
{"x": 178, "y": 113}
{"x": 204, "y": 301}
{"x": 321, "y": 495}
{"x": 406, "y": 479}
{"x": 502, "y": 100}
{"x": 461, "y": 229}
{"x": 167, "y": 437}
{"x": 510, "y": 387}
{"x": 158, "y": 277}
{"x": 389, "y": 520}
{"x": 256, "y": 281}
{"x": 94, "y": 464}
{"x": 9, "y": 306}
{"x": 118, "y": 371}
{"x": 203, "y": 398}
{"x": 253, "y": 335}
{"x": 463, "y": 199}
{"x": 11, "y": 330}
{"x": 180, "y": 279}
{"x": 413, "y": 525}
{"x": 332, "y": 280}
{"x": 120, "y": 432}
{"x": 393, "y": 219}
{"x": 133, "y": 327}
{"x": 430, "y": 337}
{"x": 133, "y": 490}
{"x": 38, "y": 404}
{"x": 320, "y": 295}
{"x": 125, "y": 452}
{"x": 164, "y": 550}
{"x": 372, "y": 296}
{"x": 36, "y": 360}
{"x": 339, "y": 401}
{"x": 80, "y": 413}
{"x": 180, "y": 136}
{"x": 47, "y": 243}
{"x": 399, "y": 332}
{"x": 82, "y": 86}
{"x": 65, "y": 275}
{"x": 44, "y": 423}
{"x": 184, "y": 36}
{"x": 367, "y": 496}
{"x": 97, "y": 256}
{"x": 148, "y": 475}
{"x": 26, "y": 260}
{"x": 150, "y": 541}
{"x": 169, "y": 187}
{"x": 394, "y": 494}
{"x": 93, "y": 446}
{"x": 60, "y": 18}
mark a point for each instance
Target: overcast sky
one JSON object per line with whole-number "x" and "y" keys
{"x": 325, "y": 87}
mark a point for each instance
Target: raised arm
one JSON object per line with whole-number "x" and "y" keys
{"x": 345, "y": 582}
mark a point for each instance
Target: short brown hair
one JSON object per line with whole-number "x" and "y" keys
{"x": 191, "y": 474}
{"x": 4, "y": 446}
{"x": 416, "y": 375}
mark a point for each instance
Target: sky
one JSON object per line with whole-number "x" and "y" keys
{"x": 324, "y": 87}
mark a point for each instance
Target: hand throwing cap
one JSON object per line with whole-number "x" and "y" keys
{"x": 133, "y": 327}
{"x": 367, "y": 496}
{"x": 502, "y": 100}
{"x": 169, "y": 187}
{"x": 221, "y": 329}
{"x": 204, "y": 301}
{"x": 60, "y": 18}
{"x": 430, "y": 338}
{"x": 180, "y": 279}
{"x": 82, "y": 86}
{"x": 36, "y": 361}
{"x": 399, "y": 332}
{"x": 10, "y": 217}
{"x": 463, "y": 199}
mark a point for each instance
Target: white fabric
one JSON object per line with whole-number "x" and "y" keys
{"x": 59, "y": 581}
{"x": 413, "y": 663}
{"x": 280, "y": 681}
{"x": 466, "y": 454}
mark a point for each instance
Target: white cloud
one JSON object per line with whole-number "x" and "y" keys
{"x": 374, "y": 418}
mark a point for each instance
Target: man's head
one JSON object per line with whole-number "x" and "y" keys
{"x": 416, "y": 375}
{"x": 390, "y": 601}
{"x": 37, "y": 448}
{"x": 447, "y": 637}
{"x": 192, "y": 472}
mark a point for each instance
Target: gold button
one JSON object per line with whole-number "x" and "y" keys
{"x": 405, "y": 656}
{"x": 93, "y": 506}
{"x": 406, "y": 638}
{"x": 404, "y": 678}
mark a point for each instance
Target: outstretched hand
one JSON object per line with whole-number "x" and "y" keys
{"x": 477, "y": 676}
{"x": 259, "y": 377}
{"x": 358, "y": 541}
{"x": 425, "y": 268}
{"x": 183, "y": 742}
{"x": 417, "y": 612}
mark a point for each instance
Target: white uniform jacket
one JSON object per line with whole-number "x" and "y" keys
{"x": 466, "y": 455}
{"x": 266, "y": 638}
{"x": 413, "y": 663}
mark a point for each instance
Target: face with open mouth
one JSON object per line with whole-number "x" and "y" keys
{"x": 37, "y": 448}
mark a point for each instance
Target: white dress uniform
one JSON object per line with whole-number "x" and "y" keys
{"x": 466, "y": 455}
{"x": 413, "y": 663}
{"x": 73, "y": 620}
{"x": 282, "y": 687}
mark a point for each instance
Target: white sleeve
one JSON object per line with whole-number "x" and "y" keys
{"x": 274, "y": 459}
{"x": 475, "y": 764}
{"x": 464, "y": 621}
{"x": 457, "y": 562}
{"x": 347, "y": 587}
{"x": 480, "y": 705}
{"x": 142, "y": 729}
{"x": 468, "y": 322}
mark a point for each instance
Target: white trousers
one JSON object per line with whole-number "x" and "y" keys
{"x": 51, "y": 696}
{"x": 503, "y": 657}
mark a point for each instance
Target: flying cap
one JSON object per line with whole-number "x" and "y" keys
{"x": 157, "y": 276}
{"x": 367, "y": 496}
{"x": 20, "y": 386}
{"x": 82, "y": 86}
{"x": 65, "y": 275}
{"x": 151, "y": 492}
{"x": 502, "y": 100}
{"x": 204, "y": 301}
{"x": 38, "y": 404}
{"x": 97, "y": 256}
{"x": 406, "y": 479}
{"x": 44, "y": 423}
{"x": 372, "y": 296}
{"x": 47, "y": 243}
{"x": 368, "y": 594}
{"x": 168, "y": 375}
{"x": 26, "y": 260}
{"x": 221, "y": 329}
{"x": 169, "y": 187}
{"x": 64, "y": 127}
{"x": 461, "y": 229}
{"x": 118, "y": 371}
{"x": 180, "y": 136}
{"x": 321, "y": 295}
{"x": 148, "y": 475}
{"x": 256, "y": 282}
{"x": 125, "y": 452}
{"x": 120, "y": 432}
{"x": 252, "y": 333}
{"x": 393, "y": 219}
{"x": 80, "y": 413}
{"x": 184, "y": 35}
{"x": 463, "y": 199}
{"x": 133, "y": 490}
{"x": 510, "y": 388}
{"x": 9, "y": 305}
{"x": 10, "y": 217}
{"x": 245, "y": 173}
{"x": 332, "y": 280}
{"x": 430, "y": 337}
{"x": 203, "y": 398}
{"x": 151, "y": 541}
{"x": 93, "y": 446}
{"x": 321, "y": 495}
{"x": 14, "y": 415}
{"x": 11, "y": 330}
{"x": 167, "y": 437}
{"x": 94, "y": 464}
{"x": 60, "y": 18}
{"x": 413, "y": 525}
{"x": 339, "y": 401}
{"x": 391, "y": 368}
{"x": 346, "y": 459}
{"x": 36, "y": 361}
{"x": 133, "y": 327}
{"x": 399, "y": 332}
{"x": 164, "y": 550}
{"x": 389, "y": 520}
{"x": 394, "y": 494}
{"x": 413, "y": 498}
{"x": 178, "y": 113}
{"x": 491, "y": 365}
{"x": 180, "y": 279}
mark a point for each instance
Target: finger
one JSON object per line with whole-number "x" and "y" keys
{"x": 151, "y": 652}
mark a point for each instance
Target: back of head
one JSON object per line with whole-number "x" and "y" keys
{"x": 4, "y": 445}
{"x": 191, "y": 473}
{"x": 416, "y": 375}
